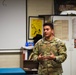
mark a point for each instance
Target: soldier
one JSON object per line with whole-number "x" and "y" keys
{"x": 50, "y": 52}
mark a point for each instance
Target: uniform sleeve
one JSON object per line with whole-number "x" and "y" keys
{"x": 62, "y": 55}
{"x": 34, "y": 54}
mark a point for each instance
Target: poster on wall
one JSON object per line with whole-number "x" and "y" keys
{"x": 35, "y": 26}
{"x": 61, "y": 29}
{"x": 74, "y": 43}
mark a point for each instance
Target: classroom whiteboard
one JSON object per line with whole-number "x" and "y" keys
{"x": 12, "y": 24}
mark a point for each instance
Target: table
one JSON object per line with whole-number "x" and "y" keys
{"x": 12, "y": 71}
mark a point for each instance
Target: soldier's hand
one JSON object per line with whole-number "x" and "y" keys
{"x": 51, "y": 56}
{"x": 40, "y": 57}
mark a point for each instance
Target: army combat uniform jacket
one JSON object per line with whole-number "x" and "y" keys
{"x": 57, "y": 47}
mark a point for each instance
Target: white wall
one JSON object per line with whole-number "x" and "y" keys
{"x": 39, "y": 7}
{"x": 9, "y": 59}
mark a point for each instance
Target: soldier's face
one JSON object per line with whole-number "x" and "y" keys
{"x": 47, "y": 31}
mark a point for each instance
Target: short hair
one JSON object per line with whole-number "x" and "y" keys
{"x": 49, "y": 24}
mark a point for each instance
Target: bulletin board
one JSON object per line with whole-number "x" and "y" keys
{"x": 35, "y": 26}
{"x": 60, "y": 28}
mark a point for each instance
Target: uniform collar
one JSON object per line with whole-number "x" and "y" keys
{"x": 50, "y": 41}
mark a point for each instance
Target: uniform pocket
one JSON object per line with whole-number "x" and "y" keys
{"x": 55, "y": 64}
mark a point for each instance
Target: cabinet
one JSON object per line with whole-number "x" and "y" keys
{"x": 29, "y": 66}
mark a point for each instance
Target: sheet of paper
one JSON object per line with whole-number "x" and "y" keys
{"x": 74, "y": 28}
{"x": 61, "y": 29}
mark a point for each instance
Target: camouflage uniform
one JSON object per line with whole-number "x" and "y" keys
{"x": 50, "y": 67}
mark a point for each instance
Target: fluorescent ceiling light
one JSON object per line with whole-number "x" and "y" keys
{"x": 68, "y": 12}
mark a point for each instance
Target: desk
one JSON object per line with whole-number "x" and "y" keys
{"x": 31, "y": 72}
{"x": 12, "y": 71}
{"x": 30, "y": 67}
